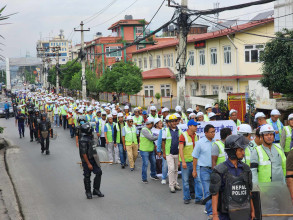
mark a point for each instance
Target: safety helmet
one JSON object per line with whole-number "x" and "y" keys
{"x": 126, "y": 107}
{"x": 199, "y": 114}
{"x": 165, "y": 110}
{"x": 153, "y": 108}
{"x": 120, "y": 114}
{"x": 244, "y": 129}
{"x": 259, "y": 115}
{"x": 177, "y": 115}
{"x": 266, "y": 129}
{"x": 233, "y": 142}
{"x": 128, "y": 117}
{"x": 208, "y": 106}
{"x": 178, "y": 108}
{"x": 275, "y": 112}
{"x": 211, "y": 114}
{"x": 192, "y": 115}
{"x": 44, "y": 115}
{"x": 86, "y": 128}
{"x": 290, "y": 117}
{"x": 189, "y": 110}
{"x": 172, "y": 117}
{"x": 149, "y": 120}
{"x": 156, "y": 120}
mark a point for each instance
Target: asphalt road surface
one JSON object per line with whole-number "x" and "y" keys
{"x": 51, "y": 187}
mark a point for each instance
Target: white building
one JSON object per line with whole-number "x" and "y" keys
{"x": 283, "y": 14}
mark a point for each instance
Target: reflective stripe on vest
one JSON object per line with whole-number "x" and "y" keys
{"x": 222, "y": 155}
{"x": 265, "y": 167}
{"x": 146, "y": 144}
{"x": 130, "y": 135}
{"x": 169, "y": 140}
{"x": 188, "y": 148}
{"x": 118, "y": 133}
{"x": 269, "y": 121}
{"x": 138, "y": 120}
{"x": 288, "y": 131}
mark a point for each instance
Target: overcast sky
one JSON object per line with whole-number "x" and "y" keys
{"x": 45, "y": 18}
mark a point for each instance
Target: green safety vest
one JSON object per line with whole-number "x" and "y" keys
{"x": 138, "y": 120}
{"x": 184, "y": 117}
{"x": 109, "y": 132}
{"x": 188, "y": 148}
{"x": 37, "y": 105}
{"x": 49, "y": 107}
{"x": 169, "y": 140}
{"x": 156, "y": 116}
{"x": 222, "y": 155}
{"x": 288, "y": 131}
{"x": 118, "y": 133}
{"x": 265, "y": 166}
{"x": 238, "y": 123}
{"x": 63, "y": 111}
{"x": 89, "y": 118}
{"x": 206, "y": 118}
{"x": 146, "y": 144}
{"x": 58, "y": 110}
{"x": 269, "y": 121}
{"x": 75, "y": 119}
{"x": 246, "y": 159}
{"x": 22, "y": 111}
{"x": 130, "y": 136}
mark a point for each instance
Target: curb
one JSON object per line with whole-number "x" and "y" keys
{"x": 10, "y": 207}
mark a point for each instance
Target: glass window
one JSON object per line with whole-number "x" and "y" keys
{"x": 191, "y": 58}
{"x": 171, "y": 60}
{"x": 113, "y": 54}
{"x": 253, "y": 52}
{"x": 165, "y": 90}
{"x": 138, "y": 30}
{"x": 149, "y": 91}
{"x": 227, "y": 54}
{"x": 229, "y": 89}
{"x": 139, "y": 63}
{"x": 202, "y": 60}
{"x": 215, "y": 89}
{"x": 158, "y": 61}
{"x": 214, "y": 58}
{"x": 145, "y": 63}
{"x": 151, "y": 62}
{"x": 165, "y": 60}
{"x": 203, "y": 89}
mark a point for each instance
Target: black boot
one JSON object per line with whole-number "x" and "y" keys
{"x": 87, "y": 186}
{"x": 97, "y": 183}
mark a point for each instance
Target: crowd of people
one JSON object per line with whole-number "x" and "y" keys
{"x": 168, "y": 143}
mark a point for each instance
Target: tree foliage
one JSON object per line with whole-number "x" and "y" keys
{"x": 75, "y": 82}
{"x": 277, "y": 65}
{"x": 29, "y": 77}
{"x": 2, "y": 76}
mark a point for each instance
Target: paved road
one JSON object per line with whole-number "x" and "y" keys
{"x": 51, "y": 187}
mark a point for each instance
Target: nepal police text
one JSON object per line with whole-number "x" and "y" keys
{"x": 239, "y": 190}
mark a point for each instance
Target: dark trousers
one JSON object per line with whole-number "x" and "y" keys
{"x": 103, "y": 141}
{"x": 6, "y": 113}
{"x": 72, "y": 130}
{"x": 43, "y": 140}
{"x": 21, "y": 129}
{"x": 33, "y": 132}
{"x": 64, "y": 122}
{"x": 87, "y": 175}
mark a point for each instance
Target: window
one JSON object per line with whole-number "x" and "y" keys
{"x": 171, "y": 59}
{"x": 203, "y": 89}
{"x": 138, "y": 47}
{"x": 215, "y": 90}
{"x": 165, "y": 90}
{"x": 139, "y": 63}
{"x": 134, "y": 61}
{"x": 148, "y": 91}
{"x": 62, "y": 44}
{"x": 191, "y": 58}
{"x": 158, "y": 61}
{"x": 114, "y": 54}
{"x": 253, "y": 52}
{"x": 193, "y": 89}
{"x": 227, "y": 54}
{"x": 151, "y": 62}
{"x": 229, "y": 89}
{"x": 214, "y": 58}
{"x": 202, "y": 59}
{"x": 138, "y": 30}
{"x": 165, "y": 60}
{"x": 168, "y": 60}
{"x": 145, "y": 63}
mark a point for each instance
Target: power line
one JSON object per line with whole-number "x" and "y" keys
{"x": 116, "y": 15}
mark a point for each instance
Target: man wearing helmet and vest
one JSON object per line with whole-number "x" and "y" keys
{"x": 287, "y": 136}
{"x": 233, "y": 116}
{"x": 218, "y": 148}
{"x": 231, "y": 183}
{"x": 208, "y": 109}
{"x": 246, "y": 131}
{"x": 268, "y": 161}
{"x": 276, "y": 123}
{"x": 44, "y": 133}
{"x": 260, "y": 118}
{"x": 118, "y": 139}
{"x": 89, "y": 157}
{"x": 113, "y": 151}
{"x": 153, "y": 113}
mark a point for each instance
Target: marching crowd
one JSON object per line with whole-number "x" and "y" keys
{"x": 168, "y": 142}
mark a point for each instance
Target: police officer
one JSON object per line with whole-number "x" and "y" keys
{"x": 30, "y": 122}
{"x": 231, "y": 183}
{"x": 37, "y": 120}
{"x": 44, "y": 133}
{"x": 89, "y": 157}
{"x": 20, "y": 120}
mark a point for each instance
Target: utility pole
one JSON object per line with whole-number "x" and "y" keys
{"x": 56, "y": 51}
{"x": 83, "y": 80}
{"x": 181, "y": 54}
{"x": 8, "y": 84}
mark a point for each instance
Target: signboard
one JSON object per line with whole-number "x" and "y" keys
{"x": 199, "y": 44}
{"x": 218, "y": 126}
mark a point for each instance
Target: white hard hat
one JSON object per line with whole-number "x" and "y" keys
{"x": 167, "y": 117}
{"x": 275, "y": 112}
{"x": 149, "y": 120}
{"x": 189, "y": 110}
{"x": 156, "y": 120}
{"x": 178, "y": 108}
{"x": 177, "y": 115}
{"x": 290, "y": 116}
{"x": 114, "y": 112}
{"x": 107, "y": 108}
{"x": 208, "y": 106}
{"x": 211, "y": 114}
{"x": 165, "y": 110}
{"x": 109, "y": 116}
{"x": 244, "y": 129}
{"x": 232, "y": 111}
{"x": 191, "y": 115}
{"x": 266, "y": 129}
{"x": 153, "y": 108}
{"x": 199, "y": 114}
{"x": 259, "y": 115}
{"x": 126, "y": 107}
{"x": 120, "y": 114}
{"x": 80, "y": 111}
{"x": 129, "y": 118}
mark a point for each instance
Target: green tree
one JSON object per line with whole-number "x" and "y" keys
{"x": 157, "y": 96}
{"x": 75, "y": 82}
{"x": 69, "y": 70}
{"x": 2, "y": 76}
{"x": 277, "y": 65}
{"x": 91, "y": 79}
{"x": 29, "y": 77}
{"x": 52, "y": 76}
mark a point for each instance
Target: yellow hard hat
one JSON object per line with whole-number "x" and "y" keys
{"x": 172, "y": 117}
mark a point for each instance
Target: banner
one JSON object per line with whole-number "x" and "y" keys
{"x": 218, "y": 126}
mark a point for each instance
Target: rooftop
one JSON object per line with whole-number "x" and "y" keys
{"x": 158, "y": 73}
{"x": 141, "y": 22}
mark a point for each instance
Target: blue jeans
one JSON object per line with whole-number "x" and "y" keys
{"x": 57, "y": 120}
{"x": 164, "y": 169}
{"x": 122, "y": 154}
{"x": 146, "y": 157}
{"x": 72, "y": 130}
{"x": 205, "y": 177}
{"x": 186, "y": 173}
{"x": 198, "y": 186}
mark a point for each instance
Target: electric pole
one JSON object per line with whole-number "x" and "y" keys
{"x": 83, "y": 80}
{"x": 181, "y": 53}
{"x": 56, "y": 51}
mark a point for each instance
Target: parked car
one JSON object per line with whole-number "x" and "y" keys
{"x": 2, "y": 112}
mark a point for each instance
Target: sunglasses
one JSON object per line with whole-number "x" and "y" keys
{"x": 130, "y": 121}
